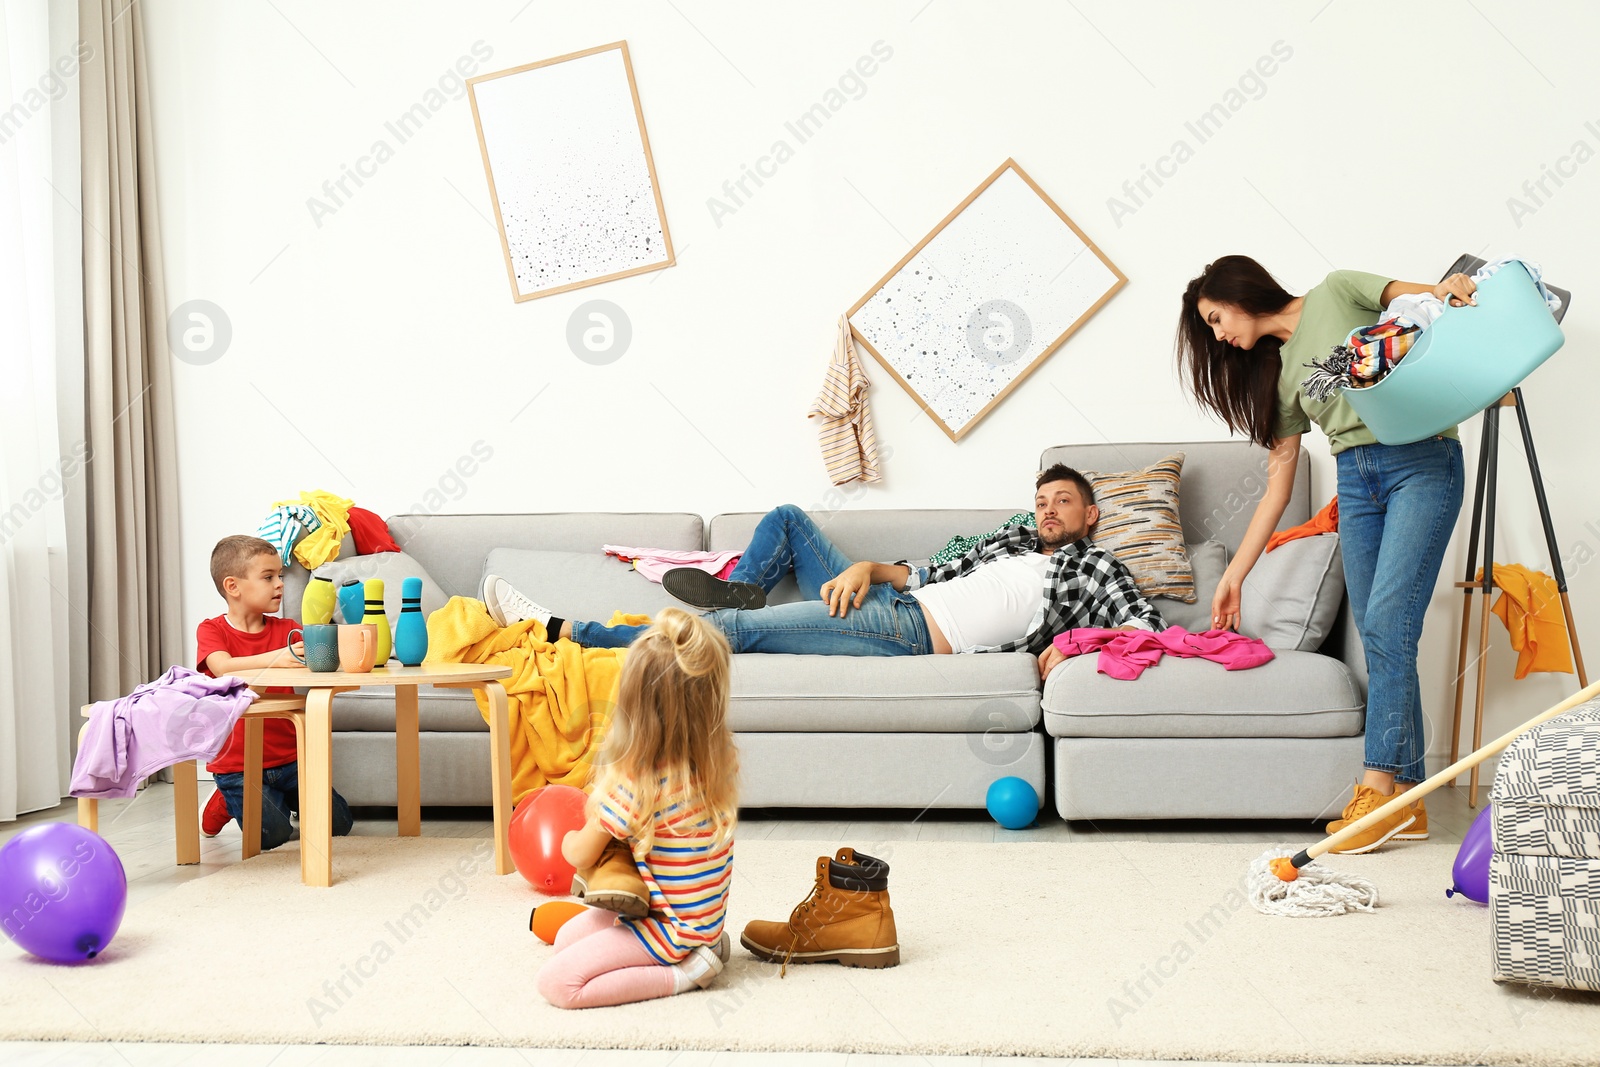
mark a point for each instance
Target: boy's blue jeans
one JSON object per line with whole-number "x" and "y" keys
{"x": 1397, "y": 509}
{"x": 888, "y": 622}
{"x": 280, "y": 794}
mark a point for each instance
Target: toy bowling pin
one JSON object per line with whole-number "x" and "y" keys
{"x": 352, "y": 602}
{"x": 376, "y": 617}
{"x": 411, "y": 629}
{"x": 316, "y": 604}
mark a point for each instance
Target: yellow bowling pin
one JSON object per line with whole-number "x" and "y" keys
{"x": 316, "y": 604}
{"x": 376, "y": 617}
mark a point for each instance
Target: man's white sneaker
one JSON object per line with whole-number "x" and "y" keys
{"x": 506, "y": 605}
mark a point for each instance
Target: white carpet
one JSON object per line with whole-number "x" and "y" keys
{"x": 1075, "y": 949}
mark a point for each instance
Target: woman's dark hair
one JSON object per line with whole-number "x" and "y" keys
{"x": 1237, "y": 385}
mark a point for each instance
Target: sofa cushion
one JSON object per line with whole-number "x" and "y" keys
{"x": 1139, "y": 525}
{"x": 1291, "y": 596}
{"x": 392, "y": 568}
{"x": 1297, "y": 694}
{"x": 916, "y": 694}
{"x": 1210, "y": 560}
{"x": 578, "y": 585}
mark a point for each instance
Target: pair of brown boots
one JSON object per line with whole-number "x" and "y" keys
{"x": 846, "y": 919}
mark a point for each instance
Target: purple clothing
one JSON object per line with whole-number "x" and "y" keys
{"x": 181, "y": 715}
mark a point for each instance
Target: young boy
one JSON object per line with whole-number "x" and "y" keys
{"x": 248, "y": 572}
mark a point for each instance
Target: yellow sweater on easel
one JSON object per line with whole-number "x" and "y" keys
{"x": 561, "y": 694}
{"x": 1530, "y": 606}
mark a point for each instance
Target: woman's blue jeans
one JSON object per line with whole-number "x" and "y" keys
{"x": 888, "y": 622}
{"x": 1397, "y": 509}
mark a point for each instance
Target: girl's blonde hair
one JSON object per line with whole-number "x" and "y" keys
{"x": 669, "y": 733}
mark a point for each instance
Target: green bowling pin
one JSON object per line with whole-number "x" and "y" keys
{"x": 376, "y": 617}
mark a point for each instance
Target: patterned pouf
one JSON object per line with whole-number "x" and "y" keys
{"x": 1544, "y": 880}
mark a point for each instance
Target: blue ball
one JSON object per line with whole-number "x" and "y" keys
{"x": 1012, "y": 802}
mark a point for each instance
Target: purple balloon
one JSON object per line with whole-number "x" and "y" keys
{"x": 1472, "y": 862}
{"x": 62, "y": 892}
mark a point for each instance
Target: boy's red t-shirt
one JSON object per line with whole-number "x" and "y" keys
{"x": 277, "y": 737}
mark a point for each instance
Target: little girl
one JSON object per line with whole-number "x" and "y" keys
{"x": 666, "y": 784}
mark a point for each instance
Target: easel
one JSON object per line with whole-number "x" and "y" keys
{"x": 1483, "y": 509}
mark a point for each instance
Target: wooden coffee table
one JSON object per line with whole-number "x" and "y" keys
{"x": 316, "y": 798}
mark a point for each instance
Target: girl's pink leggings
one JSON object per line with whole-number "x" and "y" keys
{"x": 598, "y": 963}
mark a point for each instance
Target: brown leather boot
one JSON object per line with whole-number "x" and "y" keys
{"x": 613, "y": 883}
{"x": 846, "y": 919}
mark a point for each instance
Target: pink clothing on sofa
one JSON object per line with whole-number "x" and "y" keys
{"x": 1125, "y": 654}
{"x": 599, "y": 963}
{"x": 654, "y": 562}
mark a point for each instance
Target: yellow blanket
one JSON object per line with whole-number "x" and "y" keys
{"x": 561, "y": 694}
{"x": 321, "y": 544}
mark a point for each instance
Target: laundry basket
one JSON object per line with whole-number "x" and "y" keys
{"x": 1469, "y": 358}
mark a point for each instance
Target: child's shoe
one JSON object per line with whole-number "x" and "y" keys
{"x": 215, "y": 816}
{"x": 613, "y": 883}
{"x": 847, "y": 918}
{"x": 701, "y": 967}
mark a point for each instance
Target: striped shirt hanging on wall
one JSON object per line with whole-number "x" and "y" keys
{"x": 849, "y": 443}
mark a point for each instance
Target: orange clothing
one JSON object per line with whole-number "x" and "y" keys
{"x": 1530, "y": 606}
{"x": 1324, "y": 521}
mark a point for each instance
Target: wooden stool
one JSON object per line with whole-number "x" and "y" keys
{"x": 186, "y": 789}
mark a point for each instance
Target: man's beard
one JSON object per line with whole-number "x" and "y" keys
{"x": 1063, "y": 536}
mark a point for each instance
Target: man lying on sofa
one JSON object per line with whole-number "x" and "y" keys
{"x": 1012, "y": 592}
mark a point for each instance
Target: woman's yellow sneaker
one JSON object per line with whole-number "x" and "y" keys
{"x": 1365, "y": 801}
{"x": 1417, "y": 831}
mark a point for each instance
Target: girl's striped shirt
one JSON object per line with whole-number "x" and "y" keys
{"x": 687, "y": 873}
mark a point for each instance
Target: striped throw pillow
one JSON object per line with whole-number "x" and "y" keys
{"x": 1139, "y": 525}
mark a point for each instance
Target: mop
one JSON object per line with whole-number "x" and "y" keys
{"x": 1281, "y": 884}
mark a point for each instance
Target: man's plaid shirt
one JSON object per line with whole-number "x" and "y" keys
{"x": 1084, "y": 587}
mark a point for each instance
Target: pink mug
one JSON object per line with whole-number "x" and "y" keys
{"x": 358, "y": 648}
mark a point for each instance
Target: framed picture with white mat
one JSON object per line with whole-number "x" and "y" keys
{"x": 570, "y": 173}
{"x": 983, "y": 300}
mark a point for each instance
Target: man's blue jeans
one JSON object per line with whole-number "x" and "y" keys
{"x": 888, "y": 623}
{"x": 1397, "y": 508}
{"x": 280, "y": 794}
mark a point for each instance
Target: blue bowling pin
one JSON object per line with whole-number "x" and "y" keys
{"x": 352, "y": 602}
{"x": 411, "y": 631}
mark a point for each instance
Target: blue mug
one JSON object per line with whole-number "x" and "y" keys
{"x": 322, "y": 646}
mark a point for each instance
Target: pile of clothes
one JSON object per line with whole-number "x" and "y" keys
{"x": 1371, "y": 352}
{"x": 312, "y": 528}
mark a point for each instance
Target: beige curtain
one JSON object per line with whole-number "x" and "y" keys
{"x": 131, "y": 625}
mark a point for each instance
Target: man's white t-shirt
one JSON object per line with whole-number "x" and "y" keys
{"x": 992, "y": 605}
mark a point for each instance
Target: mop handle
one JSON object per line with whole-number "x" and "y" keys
{"x": 1422, "y": 789}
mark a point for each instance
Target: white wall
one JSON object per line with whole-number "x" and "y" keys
{"x": 372, "y": 350}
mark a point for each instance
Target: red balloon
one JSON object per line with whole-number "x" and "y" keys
{"x": 538, "y": 824}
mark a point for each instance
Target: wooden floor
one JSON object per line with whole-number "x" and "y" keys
{"x": 141, "y": 830}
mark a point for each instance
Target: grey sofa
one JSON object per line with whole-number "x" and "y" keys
{"x": 1185, "y": 740}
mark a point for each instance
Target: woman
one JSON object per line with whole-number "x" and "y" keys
{"x": 1246, "y": 346}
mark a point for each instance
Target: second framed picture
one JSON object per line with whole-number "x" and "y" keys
{"x": 570, "y": 173}
{"x": 982, "y": 300}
